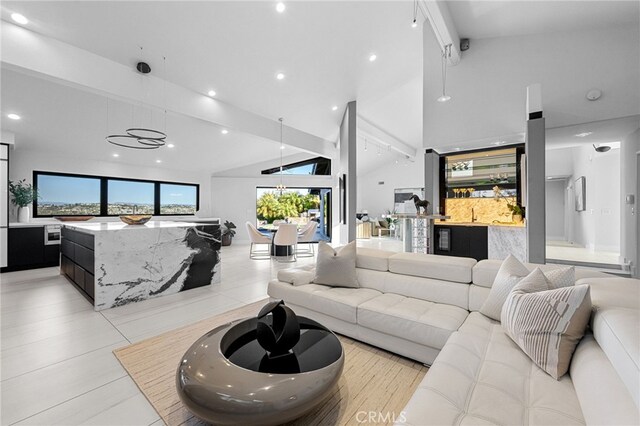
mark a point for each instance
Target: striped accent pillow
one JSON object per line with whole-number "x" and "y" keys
{"x": 547, "y": 323}
{"x": 510, "y": 273}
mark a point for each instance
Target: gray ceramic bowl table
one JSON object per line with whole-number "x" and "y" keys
{"x": 227, "y": 378}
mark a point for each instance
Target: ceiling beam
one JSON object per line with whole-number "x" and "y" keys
{"x": 439, "y": 17}
{"x": 44, "y": 57}
{"x": 371, "y": 131}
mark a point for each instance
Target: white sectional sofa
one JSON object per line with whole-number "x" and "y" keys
{"x": 425, "y": 307}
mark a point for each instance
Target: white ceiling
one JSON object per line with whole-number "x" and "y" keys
{"x": 483, "y": 19}
{"x": 70, "y": 122}
{"x": 602, "y": 132}
{"x": 236, "y": 48}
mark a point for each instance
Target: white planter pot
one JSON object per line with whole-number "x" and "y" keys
{"x": 24, "y": 215}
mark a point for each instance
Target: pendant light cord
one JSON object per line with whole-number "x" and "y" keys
{"x": 281, "y": 145}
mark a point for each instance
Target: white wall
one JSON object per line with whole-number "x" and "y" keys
{"x": 555, "y": 202}
{"x": 629, "y": 148}
{"x": 598, "y": 227}
{"x": 24, "y": 162}
{"x": 377, "y": 199}
{"x": 488, "y": 85}
{"x": 234, "y": 198}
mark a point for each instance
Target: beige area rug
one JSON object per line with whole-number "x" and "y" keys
{"x": 373, "y": 380}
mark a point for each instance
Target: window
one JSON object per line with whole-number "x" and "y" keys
{"x": 178, "y": 199}
{"x": 130, "y": 197}
{"x": 318, "y": 166}
{"x": 61, "y": 195}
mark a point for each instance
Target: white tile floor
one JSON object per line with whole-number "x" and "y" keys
{"x": 574, "y": 253}
{"x": 56, "y": 351}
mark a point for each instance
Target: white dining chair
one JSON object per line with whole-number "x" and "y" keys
{"x": 256, "y": 237}
{"x": 307, "y": 236}
{"x": 287, "y": 235}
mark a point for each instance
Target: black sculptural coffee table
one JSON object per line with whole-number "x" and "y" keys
{"x": 228, "y": 378}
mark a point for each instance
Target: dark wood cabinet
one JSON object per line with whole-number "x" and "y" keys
{"x": 27, "y": 250}
{"x": 462, "y": 241}
{"x": 78, "y": 260}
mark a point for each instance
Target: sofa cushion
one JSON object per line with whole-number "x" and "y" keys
{"x": 338, "y": 302}
{"x": 510, "y": 273}
{"x": 613, "y": 292}
{"x": 546, "y": 323}
{"x": 297, "y": 276}
{"x": 416, "y": 320}
{"x": 336, "y": 267}
{"x": 485, "y": 271}
{"x": 446, "y": 268}
{"x": 432, "y": 290}
{"x": 614, "y": 406}
{"x": 617, "y": 331}
{"x": 482, "y": 377}
{"x": 377, "y": 260}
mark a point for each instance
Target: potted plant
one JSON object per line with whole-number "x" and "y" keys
{"x": 517, "y": 211}
{"x": 22, "y": 195}
{"x": 228, "y": 232}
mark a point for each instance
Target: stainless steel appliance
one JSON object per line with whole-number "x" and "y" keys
{"x": 4, "y": 204}
{"x": 52, "y": 234}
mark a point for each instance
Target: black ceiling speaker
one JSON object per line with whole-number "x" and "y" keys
{"x": 143, "y": 67}
{"x": 602, "y": 148}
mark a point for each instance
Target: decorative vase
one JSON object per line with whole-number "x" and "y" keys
{"x": 23, "y": 214}
{"x": 226, "y": 239}
{"x": 517, "y": 218}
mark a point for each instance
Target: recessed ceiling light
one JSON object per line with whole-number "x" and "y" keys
{"x": 280, "y": 7}
{"x": 334, "y": 108}
{"x": 211, "y": 93}
{"x": 456, "y": 149}
{"x": 280, "y": 76}
{"x": 373, "y": 57}
{"x": 443, "y": 98}
{"x": 582, "y": 135}
{"x": 281, "y": 146}
{"x": 171, "y": 145}
{"x": 20, "y": 19}
{"x": 13, "y": 116}
{"x": 116, "y": 155}
{"x": 224, "y": 131}
{"x": 158, "y": 161}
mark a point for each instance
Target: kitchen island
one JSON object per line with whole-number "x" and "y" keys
{"x": 114, "y": 264}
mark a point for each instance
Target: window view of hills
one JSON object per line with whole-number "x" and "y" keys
{"x": 68, "y": 195}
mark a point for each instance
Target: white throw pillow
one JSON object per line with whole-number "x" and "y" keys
{"x": 510, "y": 273}
{"x": 336, "y": 268}
{"x": 545, "y": 322}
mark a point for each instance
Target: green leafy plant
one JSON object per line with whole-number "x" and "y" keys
{"x": 389, "y": 217}
{"x": 273, "y": 206}
{"x": 229, "y": 228}
{"x": 22, "y": 193}
{"x": 514, "y": 208}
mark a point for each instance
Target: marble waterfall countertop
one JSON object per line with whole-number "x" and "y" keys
{"x": 98, "y": 227}
{"x": 138, "y": 262}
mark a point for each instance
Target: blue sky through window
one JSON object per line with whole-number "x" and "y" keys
{"x": 123, "y": 191}
{"x": 68, "y": 190}
{"x": 178, "y": 194}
